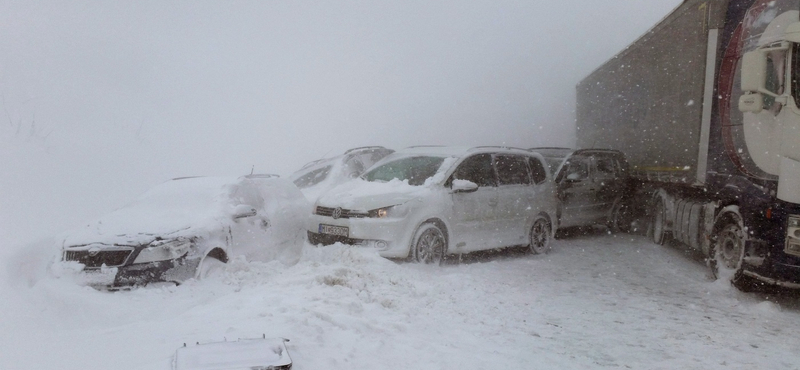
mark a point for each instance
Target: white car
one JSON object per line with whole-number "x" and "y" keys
{"x": 321, "y": 175}
{"x": 430, "y": 202}
{"x": 185, "y": 227}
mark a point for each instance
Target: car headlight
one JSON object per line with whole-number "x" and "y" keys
{"x": 396, "y": 211}
{"x": 163, "y": 251}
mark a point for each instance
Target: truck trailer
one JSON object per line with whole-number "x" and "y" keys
{"x": 706, "y": 107}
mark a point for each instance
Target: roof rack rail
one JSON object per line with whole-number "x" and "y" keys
{"x": 498, "y": 147}
{"x": 364, "y": 147}
{"x": 261, "y": 176}
{"x": 426, "y": 146}
{"x": 550, "y": 147}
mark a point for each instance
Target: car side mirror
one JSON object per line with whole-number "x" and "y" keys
{"x": 243, "y": 211}
{"x": 464, "y": 186}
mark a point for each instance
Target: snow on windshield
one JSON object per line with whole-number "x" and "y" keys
{"x": 415, "y": 170}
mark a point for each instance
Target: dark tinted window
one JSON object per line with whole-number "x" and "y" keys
{"x": 576, "y": 168}
{"x": 606, "y": 167}
{"x": 512, "y": 170}
{"x": 538, "y": 172}
{"x": 312, "y": 178}
{"x": 477, "y": 169}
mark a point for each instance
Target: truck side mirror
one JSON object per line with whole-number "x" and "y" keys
{"x": 754, "y": 71}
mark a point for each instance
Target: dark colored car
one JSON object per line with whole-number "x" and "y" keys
{"x": 592, "y": 186}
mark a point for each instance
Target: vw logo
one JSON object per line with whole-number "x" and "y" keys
{"x": 337, "y": 213}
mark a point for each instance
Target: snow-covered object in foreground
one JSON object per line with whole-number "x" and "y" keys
{"x": 251, "y": 354}
{"x": 427, "y": 202}
{"x": 321, "y": 175}
{"x": 184, "y": 227}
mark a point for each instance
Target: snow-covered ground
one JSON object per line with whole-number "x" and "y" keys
{"x": 599, "y": 301}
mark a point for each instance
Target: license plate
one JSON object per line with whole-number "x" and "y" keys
{"x": 334, "y": 230}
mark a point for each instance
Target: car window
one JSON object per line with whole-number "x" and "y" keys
{"x": 512, "y": 170}
{"x": 538, "y": 173}
{"x": 312, "y": 178}
{"x": 605, "y": 167}
{"x": 576, "y": 169}
{"x": 414, "y": 169}
{"x": 478, "y": 169}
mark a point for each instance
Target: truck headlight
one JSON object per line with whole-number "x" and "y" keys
{"x": 164, "y": 251}
{"x": 396, "y": 211}
{"x": 794, "y": 221}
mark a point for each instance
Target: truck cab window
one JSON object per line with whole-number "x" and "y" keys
{"x": 776, "y": 72}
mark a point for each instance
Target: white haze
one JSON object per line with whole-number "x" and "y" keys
{"x": 102, "y": 100}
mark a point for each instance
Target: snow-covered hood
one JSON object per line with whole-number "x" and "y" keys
{"x": 174, "y": 209}
{"x": 365, "y": 195}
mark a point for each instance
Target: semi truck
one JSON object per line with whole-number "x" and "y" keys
{"x": 706, "y": 107}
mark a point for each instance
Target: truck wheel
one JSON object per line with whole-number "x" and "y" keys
{"x": 429, "y": 245}
{"x": 541, "y": 233}
{"x": 727, "y": 255}
{"x": 659, "y": 222}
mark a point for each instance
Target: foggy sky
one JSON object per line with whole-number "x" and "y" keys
{"x": 103, "y": 99}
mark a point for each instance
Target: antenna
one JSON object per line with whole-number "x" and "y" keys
{"x": 252, "y": 169}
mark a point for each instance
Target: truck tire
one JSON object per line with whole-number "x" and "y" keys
{"x": 659, "y": 223}
{"x": 727, "y": 254}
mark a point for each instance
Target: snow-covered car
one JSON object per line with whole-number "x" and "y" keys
{"x": 430, "y": 202}
{"x": 321, "y": 175}
{"x": 186, "y": 227}
{"x": 592, "y": 186}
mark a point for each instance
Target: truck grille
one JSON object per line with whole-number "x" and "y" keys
{"x": 344, "y": 213}
{"x": 110, "y": 258}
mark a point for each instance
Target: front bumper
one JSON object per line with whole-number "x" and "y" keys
{"x": 170, "y": 271}
{"x": 391, "y": 237}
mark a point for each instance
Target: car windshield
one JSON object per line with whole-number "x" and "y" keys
{"x": 414, "y": 169}
{"x": 313, "y": 177}
{"x": 553, "y": 163}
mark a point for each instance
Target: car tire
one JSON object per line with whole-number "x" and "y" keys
{"x": 541, "y": 235}
{"x": 209, "y": 266}
{"x": 429, "y": 245}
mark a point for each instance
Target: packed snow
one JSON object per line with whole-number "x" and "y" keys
{"x": 595, "y": 301}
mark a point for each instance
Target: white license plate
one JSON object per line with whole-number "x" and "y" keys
{"x": 334, "y": 230}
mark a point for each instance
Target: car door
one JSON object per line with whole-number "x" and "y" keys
{"x": 474, "y": 213}
{"x": 576, "y": 192}
{"x": 608, "y": 182}
{"x": 515, "y": 196}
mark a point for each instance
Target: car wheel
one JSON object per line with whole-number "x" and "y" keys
{"x": 727, "y": 256}
{"x": 541, "y": 233}
{"x": 209, "y": 266}
{"x": 430, "y": 245}
{"x": 620, "y": 219}
{"x": 659, "y": 222}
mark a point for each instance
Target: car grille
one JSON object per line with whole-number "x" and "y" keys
{"x": 110, "y": 258}
{"x": 345, "y": 213}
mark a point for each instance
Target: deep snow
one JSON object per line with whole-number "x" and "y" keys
{"x": 599, "y": 301}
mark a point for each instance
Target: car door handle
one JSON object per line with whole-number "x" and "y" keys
{"x": 493, "y": 202}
